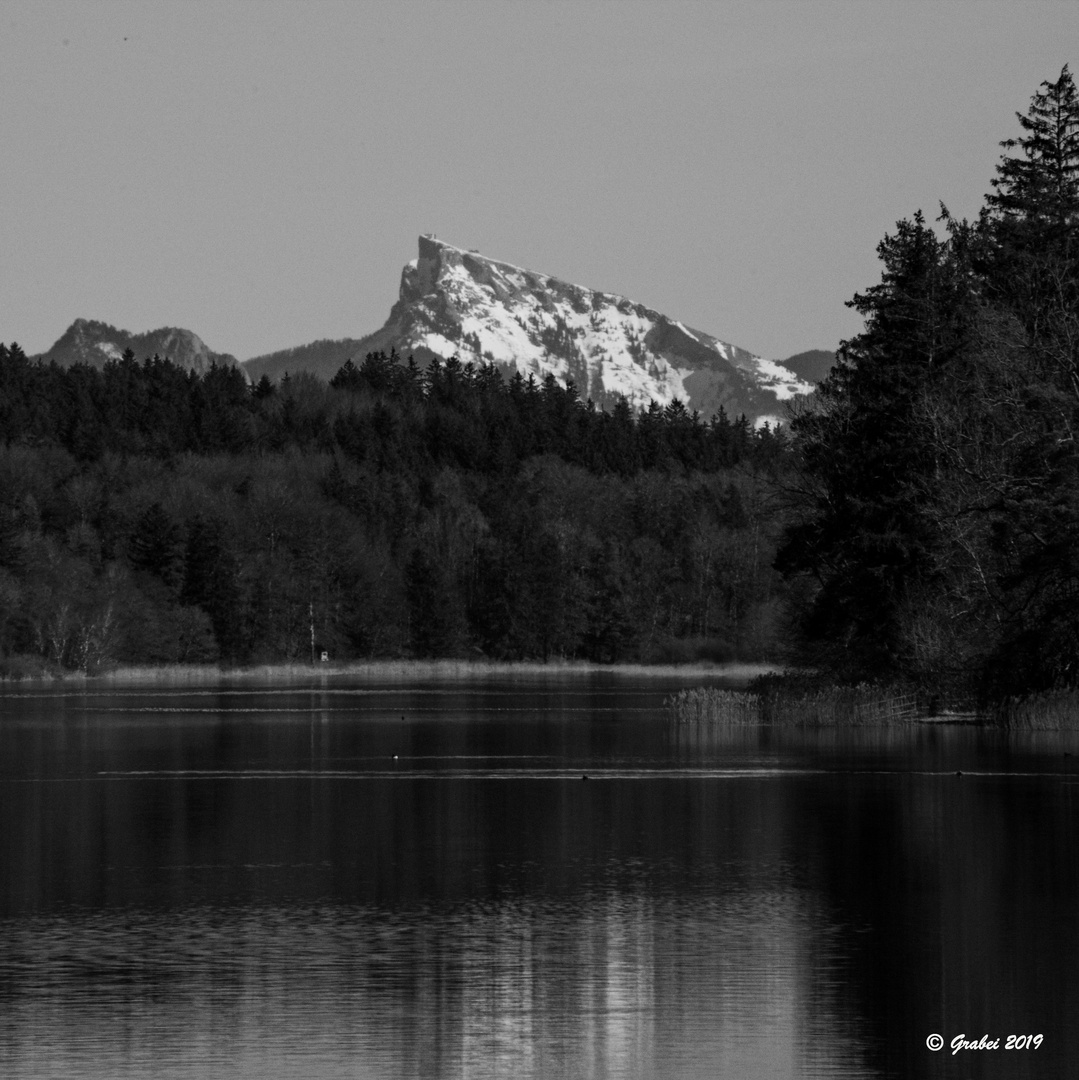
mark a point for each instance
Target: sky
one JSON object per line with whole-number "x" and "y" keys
{"x": 259, "y": 172}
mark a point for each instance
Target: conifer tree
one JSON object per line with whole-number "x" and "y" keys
{"x": 1032, "y": 216}
{"x": 867, "y": 528}
{"x": 157, "y": 547}
{"x": 1039, "y": 188}
{"x": 1032, "y": 277}
{"x": 211, "y": 581}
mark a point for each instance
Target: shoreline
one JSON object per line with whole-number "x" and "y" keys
{"x": 382, "y": 670}
{"x": 726, "y": 701}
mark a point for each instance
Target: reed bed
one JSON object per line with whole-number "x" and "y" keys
{"x": 715, "y": 706}
{"x": 793, "y": 703}
{"x": 838, "y": 706}
{"x": 1053, "y": 710}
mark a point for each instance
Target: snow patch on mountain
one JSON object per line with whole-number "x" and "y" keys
{"x": 456, "y": 302}
{"x": 97, "y": 343}
{"x": 109, "y": 349}
{"x": 783, "y": 383}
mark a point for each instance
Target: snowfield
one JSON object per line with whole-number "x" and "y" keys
{"x": 458, "y": 302}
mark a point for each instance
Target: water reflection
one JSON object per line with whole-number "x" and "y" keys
{"x": 416, "y": 881}
{"x": 616, "y": 986}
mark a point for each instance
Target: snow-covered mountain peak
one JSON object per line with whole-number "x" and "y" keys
{"x": 455, "y": 301}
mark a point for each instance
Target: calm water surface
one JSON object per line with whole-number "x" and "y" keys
{"x": 361, "y": 879}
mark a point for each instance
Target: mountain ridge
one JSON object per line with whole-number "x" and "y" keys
{"x": 454, "y": 301}
{"x": 458, "y": 302}
{"x": 88, "y": 341}
{"x": 812, "y": 365}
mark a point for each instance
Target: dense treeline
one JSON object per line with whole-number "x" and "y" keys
{"x": 936, "y": 531}
{"x": 449, "y": 414}
{"x": 149, "y": 514}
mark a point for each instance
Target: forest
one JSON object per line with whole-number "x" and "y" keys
{"x": 916, "y": 521}
{"x": 151, "y": 515}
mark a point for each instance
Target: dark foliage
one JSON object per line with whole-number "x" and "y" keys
{"x": 936, "y": 522}
{"x": 151, "y": 514}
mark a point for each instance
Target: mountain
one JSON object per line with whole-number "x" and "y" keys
{"x": 811, "y": 366}
{"x": 322, "y": 358}
{"x": 96, "y": 343}
{"x": 458, "y": 302}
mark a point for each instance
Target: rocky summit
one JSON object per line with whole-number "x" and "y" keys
{"x": 96, "y": 343}
{"x": 457, "y": 302}
{"x": 454, "y": 301}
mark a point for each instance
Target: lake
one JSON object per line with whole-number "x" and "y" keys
{"x": 522, "y": 875}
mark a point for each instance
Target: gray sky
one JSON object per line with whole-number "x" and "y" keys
{"x": 259, "y": 172}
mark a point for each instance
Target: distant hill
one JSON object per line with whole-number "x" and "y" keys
{"x": 96, "y": 343}
{"x": 811, "y": 366}
{"x": 323, "y": 358}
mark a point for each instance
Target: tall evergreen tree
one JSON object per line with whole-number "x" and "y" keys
{"x": 1038, "y": 189}
{"x": 211, "y": 582}
{"x": 156, "y": 545}
{"x": 1032, "y": 275}
{"x": 867, "y": 528}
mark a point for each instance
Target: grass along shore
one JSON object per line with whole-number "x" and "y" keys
{"x": 380, "y": 670}
{"x": 756, "y": 694}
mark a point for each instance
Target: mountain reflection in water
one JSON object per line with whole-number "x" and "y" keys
{"x": 413, "y": 881}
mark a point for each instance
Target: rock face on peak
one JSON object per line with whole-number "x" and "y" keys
{"x": 96, "y": 343}
{"x": 454, "y": 301}
{"x": 457, "y": 302}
